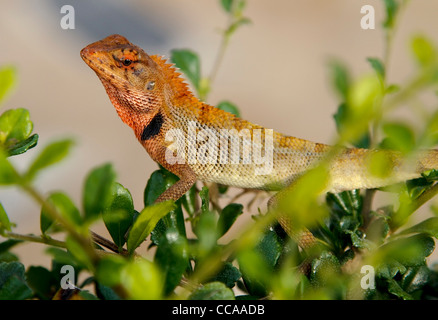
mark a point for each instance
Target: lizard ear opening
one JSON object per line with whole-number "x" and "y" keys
{"x": 150, "y": 85}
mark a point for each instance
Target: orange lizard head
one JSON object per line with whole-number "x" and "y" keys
{"x": 135, "y": 82}
{"x": 125, "y": 70}
{"x": 120, "y": 62}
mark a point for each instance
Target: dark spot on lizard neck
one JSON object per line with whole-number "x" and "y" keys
{"x": 153, "y": 127}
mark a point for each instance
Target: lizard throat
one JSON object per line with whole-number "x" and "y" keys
{"x": 153, "y": 128}
{"x": 133, "y": 107}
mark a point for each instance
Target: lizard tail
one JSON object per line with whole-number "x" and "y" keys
{"x": 427, "y": 160}
{"x": 369, "y": 169}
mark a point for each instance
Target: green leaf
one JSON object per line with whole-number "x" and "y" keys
{"x": 359, "y": 241}
{"x": 8, "y": 257}
{"x": 106, "y": 293}
{"x": 347, "y": 202}
{"x": 227, "y": 217}
{"x": 303, "y": 198}
{"x": 142, "y": 280}
{"x": 398, "y": 137}
{"x": 389, "y": 269}
{"x": 411, "y": 251}
{"x": 228, "y": 275}
{"x": 64, "y": 206}
{"x": 255, "y": 272}
{"x": 342, "y": 120}
{"x": 423, "y": 50}
{"x": 229, "y": 107}
{"x": 270, "y": 247}
{"x": 146, "y": 222}
{"x": 206, "y": 231}
{"x": 188, "y": 62}
{"x": 138, "y": 279}
{"x": 8, "y": 174}
{"x": 6, "y": 245}
{"x": 205, "y": 200}
{"x": 51, "y": 154}
{"x": 23, "y": 146}
{"x": 378, "y": 230}
{"x": 257, "y": 266}
{"x": 392, "y": 88}
{"x": 160, "y": 181}
{"x": 234, "y": 7}
{"x": 395, "y": 289}
{"x": 361, "y": 106}
{"x": 78, "y": 252}
{"x": 7, "y": 80}
{"x": 13, "y": 285}
{"x": 97, "y": 192}
{"x": 172, "y": 259}
{"x": 378, "y": 66}
{"x": 430, "y": 175}
{"x": 227, "y": 5}
{"x": 364, "y": 95}
{"x": 62, "y": 257}
{"x": 391, "y": 7}
{"x": 5, "y": 224}
{"x": 212, "y": 291}
{"x": 118, "y": 217}
{"x": 428, "y": 226}
{"x": 188, "y": 201}
{"x": 109, "y": 269}
{"x": 430, "y": 135}
{"x": 234, "y": 26}
{"x": 416, "y": 187}
{"x": 380, "y": 163}
{"x": 42, "y": 282}
{"x": 15, "y": 125}
{"x": 415, "y": 278}
{"x": 340, "y": 78}
{"x": 324, "y": 270}
{"x": 86, "y": 295}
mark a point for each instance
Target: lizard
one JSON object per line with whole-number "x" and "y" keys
{"x": 150, "y": 96}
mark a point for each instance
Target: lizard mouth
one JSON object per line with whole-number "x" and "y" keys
{"x": 87, "y": 54}
{"x": 99, "y": 63}
{"x": 98, "y": 57}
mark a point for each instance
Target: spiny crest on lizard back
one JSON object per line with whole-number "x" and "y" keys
{"x": 172, "y": 75}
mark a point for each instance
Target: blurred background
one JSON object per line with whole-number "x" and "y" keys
{"x": 275, "y": 70}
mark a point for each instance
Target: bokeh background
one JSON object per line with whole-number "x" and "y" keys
{"x": 275, "y": 70}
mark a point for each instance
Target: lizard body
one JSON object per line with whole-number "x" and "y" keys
{"x": 150, "y": 96}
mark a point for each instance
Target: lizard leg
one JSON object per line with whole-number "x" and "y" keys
{"x": 304, "y": 238}
{"x": 186, "y": 181}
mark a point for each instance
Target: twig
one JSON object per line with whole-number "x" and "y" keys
{"x": 83, "y": 241}
{"x": 107, "y": 243}
{"x": 36, "y": 239}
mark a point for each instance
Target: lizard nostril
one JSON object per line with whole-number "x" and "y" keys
{"x": 85, "y": 52}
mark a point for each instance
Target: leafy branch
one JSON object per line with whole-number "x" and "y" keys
{"x": 261, "y": 261}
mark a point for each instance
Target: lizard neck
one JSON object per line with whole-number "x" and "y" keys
{"x": 136, "y": 109}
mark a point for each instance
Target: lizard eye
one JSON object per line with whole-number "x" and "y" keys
{"x": 151, "y": 85}
{"x": 127, "y": 62}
